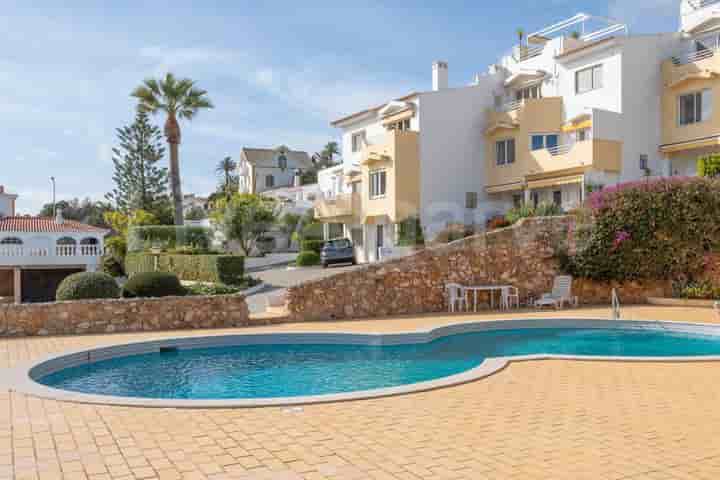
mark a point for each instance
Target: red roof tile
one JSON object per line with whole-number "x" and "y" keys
{"x": 45, "y": 225}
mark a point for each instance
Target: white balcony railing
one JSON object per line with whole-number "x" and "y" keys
{"x": 560, "y": 149}
{"x": 60, "y": 251}
{"x": 692, "y": 57}
{"x": 509, "y": 106}
{"x": 523, "y": 53}
{"x": 700, "y": 4}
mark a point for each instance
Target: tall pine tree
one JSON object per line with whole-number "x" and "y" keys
{"x": 140, "y": 183}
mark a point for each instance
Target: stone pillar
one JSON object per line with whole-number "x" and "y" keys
{"x": 17, "y": 284}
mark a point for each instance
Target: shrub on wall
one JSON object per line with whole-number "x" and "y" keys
{"x": 153, "y": 285}
{"x": 227, "y": 269}
{"x": 312, "y": 246}
{"x": 87, "y": 285}
{"x": 526, "y": 210}
{"x": 657, "y": 229}
{"x": 307, "y": 259}
{"x": 167, "y": 237}
{"x": 410, "y": 233}
{"x": 709, "y": 165}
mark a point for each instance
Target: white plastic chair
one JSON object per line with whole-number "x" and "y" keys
{"x": 457, "y": 298}
{"x": 561, "y": 293}
{"x": 510, "y": 297}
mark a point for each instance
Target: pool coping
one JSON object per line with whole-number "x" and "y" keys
{"x": 22, "y": 378}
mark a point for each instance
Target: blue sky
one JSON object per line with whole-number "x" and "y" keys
{"x": 278, "y": 72}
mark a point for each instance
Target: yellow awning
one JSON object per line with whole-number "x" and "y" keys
{"x": 690, "y": 145}
{"x": 573, "y": 127}
{"x": 509, "y": 187}
{"x": 555, "y": 182}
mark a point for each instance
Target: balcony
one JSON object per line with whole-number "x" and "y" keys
{"x": 536, "y": 114}
{"x": 342, "y": 206}
{"x": 698, "y": 65}
{"x": 605, "y": 155}
{"x": 20, "y": 255}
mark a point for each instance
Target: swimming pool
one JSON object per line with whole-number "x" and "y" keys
{"x": 302, "y": 368}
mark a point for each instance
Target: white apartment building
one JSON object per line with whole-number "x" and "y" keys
{"x": 574, "y": 106}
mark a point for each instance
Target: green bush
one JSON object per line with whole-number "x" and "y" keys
{"x": 167, "y": 237}
{"x": 699, "y": 291}
{"x": 312, "y": 246}
{"x": 410, "y": 233}
{"x": 709, "y": 165}
{"x": 211, "y": 289}
{"x": 153, "y": 285}
{"x": 526, "y": 210}
{"x": 228, "y": 269}
{"x": 112, "y": 266}
{"x": 87, "y": 285}
{"x": 657, "y": 229}
{"x": 307, "y": 259}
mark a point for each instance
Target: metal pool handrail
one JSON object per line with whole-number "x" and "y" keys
{"x": 615, "y": 305}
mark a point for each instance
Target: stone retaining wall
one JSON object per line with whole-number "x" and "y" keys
{"x": 523, "y": 255}
{"x": 123, "y": 315}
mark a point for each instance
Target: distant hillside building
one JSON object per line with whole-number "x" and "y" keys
{"x": 262, "y": 169}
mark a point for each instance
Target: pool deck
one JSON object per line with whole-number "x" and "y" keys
{"x": 554, "y": 419}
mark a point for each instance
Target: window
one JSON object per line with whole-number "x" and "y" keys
{"x": 282, "y": 162}
{"x": 643, "y": 162}
{"x": 557, "y": 197}
{"x": 380, "y": 236}
{"x": 356, "y": 234}
{"x": 541, "y": 141}
{"x": 11, "y": 241}
{"x": 535, "y": 197}
{"x": 517, "y": 200}
{"x": 358, "y": 141}
{"x": 582, "y": 135}
{"x": 505, "y": 151}
{"x": 532, "y": 91}
{"x": 269, "y": 181}
{"x": 378, "y": 183}
{"x": 471, "y": 200}
{"x": 694, "y": 107}
{"x": 588, "y": 79}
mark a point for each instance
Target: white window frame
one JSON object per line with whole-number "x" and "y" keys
{"x": 377, "y": 184}
{"x": 357, "y": 141}
{"x": 702, "y": 107}
{"x": 596, "y": 78}
{"x": 506, "y": 158}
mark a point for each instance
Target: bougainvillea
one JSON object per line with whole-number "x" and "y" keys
{"x": 662, "y": 228}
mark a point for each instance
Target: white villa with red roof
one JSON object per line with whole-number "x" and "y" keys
{"x": 36, "y": 253}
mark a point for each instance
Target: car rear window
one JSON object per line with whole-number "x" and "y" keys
{"x": 337, "y": 244}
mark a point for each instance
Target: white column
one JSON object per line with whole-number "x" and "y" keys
{"x": 17, "y": 285}
{"x": 326, "y": 231}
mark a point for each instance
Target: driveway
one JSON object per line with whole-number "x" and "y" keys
{"x": 273, "y": 260}
{"x": 280, "y": 277}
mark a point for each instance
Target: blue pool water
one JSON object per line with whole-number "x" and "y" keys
{"x": 270, "y": 371}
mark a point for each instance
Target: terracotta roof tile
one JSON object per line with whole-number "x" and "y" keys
{"x": 45, "y": 225}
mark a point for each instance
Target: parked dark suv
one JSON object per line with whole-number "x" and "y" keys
{"x": 339, "y": 250}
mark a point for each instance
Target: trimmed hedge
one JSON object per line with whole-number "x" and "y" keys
{"x": 227, "y": 269}
{"x": 307, "y": 259}
{"x": 312, "y": 246}
{"x": 153, "y": 285}
{"x": 86, "y": 286}
{"x": 167, "y": 237}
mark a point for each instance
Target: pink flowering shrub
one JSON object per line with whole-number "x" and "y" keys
{"x": 661, "y": 228}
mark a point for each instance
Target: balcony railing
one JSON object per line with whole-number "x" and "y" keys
{"x": 700, "y": 4}
{"x": 509, "y": 106}
{"x": 692, "y": 57}
{"x": 60, "y": 251}
{"x": 523, "y": 53}
{"x": 560, "y": 149}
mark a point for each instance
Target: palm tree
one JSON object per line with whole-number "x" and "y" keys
{"x": 226, "y": 168}
{"x": 178, "y": 99}
{"x": 331, "y": 149}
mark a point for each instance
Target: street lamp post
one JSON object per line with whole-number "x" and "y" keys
{"x": 52, "y": 179}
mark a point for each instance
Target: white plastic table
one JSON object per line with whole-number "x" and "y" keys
{"x": 485, "y": 288}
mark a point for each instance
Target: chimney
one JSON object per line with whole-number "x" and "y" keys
{"x": 439, "y": 75}
{"x": 59, "y": 216}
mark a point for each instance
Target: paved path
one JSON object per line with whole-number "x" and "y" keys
{"x": 273, "y": 260}
{"x": 280, "y": 277}
{"x": 534, "y": 420}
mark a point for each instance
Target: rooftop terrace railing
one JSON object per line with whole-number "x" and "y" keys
{"x": 700, "y": 4}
